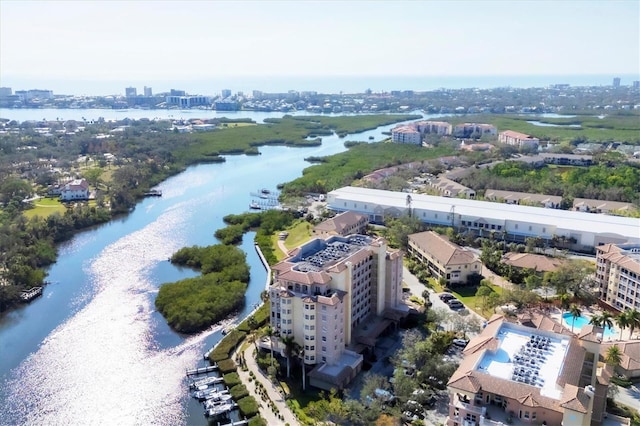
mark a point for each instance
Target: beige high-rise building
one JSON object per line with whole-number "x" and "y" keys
{"x": 618, "y": 275}
{"x": 324, "y": 290}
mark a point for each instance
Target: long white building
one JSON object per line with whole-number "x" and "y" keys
{"x": 324, "y": 290}
{"x": 513, "y": 222}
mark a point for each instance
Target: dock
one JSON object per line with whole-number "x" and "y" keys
{"x": 153, "y": 193}
{"x": 202, "y": 370}
{"x": 238, "y": 423}
{"x": 32, "y": 293}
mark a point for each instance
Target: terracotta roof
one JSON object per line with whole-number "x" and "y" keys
{"x": 591, "y": 333}
{"x": 630, "y": 359}
{"x": 575, "y": 399}
{"x": 528, "y": 400}
{"x": 341, "y": 222}
{"x": 516, "y": 135}
{"x": 572, "y": 365}
{"x": 442, "y": 249}
{"x": 532, "y": 261}
{"x": 468, "y": 383}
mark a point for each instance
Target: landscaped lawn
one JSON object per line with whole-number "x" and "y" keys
{"x": 45, "y": 207}
{"x": 298, "y": 234}
{"x": 467, "y": 295}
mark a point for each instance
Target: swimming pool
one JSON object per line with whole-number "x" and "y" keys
{"x": 582, "y": 320}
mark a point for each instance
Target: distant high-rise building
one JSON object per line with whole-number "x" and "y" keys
{"x": 130, "y": 92}
{"x": 5, "y": 91}
{"x": 636, "y": 84}
{"x": 175, "y": 92}
{"x": 616, "y": 82}
{"x": 226, "y": 93}
{"x": 148, "y": 92}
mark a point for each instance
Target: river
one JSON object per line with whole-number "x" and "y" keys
{"x": 92, "y": 349}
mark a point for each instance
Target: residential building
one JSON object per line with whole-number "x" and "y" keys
{"x": 618, "y": 275}
{"x": 77, "y": 189}
{"x": 324, "y": 290}
{"x": 442, "y": 258}
{"x": 451, "y": 188}
{"x": 616, "y": 82}
{"x": 529, "y": 372}
{"x": 601, "y": 206}
{"x": 148, "y": 92}
{"x": 187, "y": 101}
{"x": 521, "y": 140}
{"x": 629, "y": 365}
{"x": 176, "y": 92}
{"x": 225, "y": 93}
{"x": 514, "y": 222}
{"x": 524, "y": 198}
{"x": 535, "y": 262}
{"x": 434, "y": 127}
{"x": 131, "y": 92}
{"x": 476, "y": 130}
{"x": 5, "y": 92}
{"x": 345, "y": 223}
{"x": 406, "y": 134}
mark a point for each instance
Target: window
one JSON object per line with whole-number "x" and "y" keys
{"x": 324, "y": 349}
{"x": 324, "y": 338}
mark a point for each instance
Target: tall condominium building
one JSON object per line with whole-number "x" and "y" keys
{"x": 618, "y": 275}
{"x": 324, "y": 290}
{"x": 616, "y": 82}
{"x": 148, "y": 92}
{"x": 130, "y": 92}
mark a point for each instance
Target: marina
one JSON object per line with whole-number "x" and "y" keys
{"x": 32, "y": 293}
{"x": 211, "y": 380}
{"x": 202, "y": 370}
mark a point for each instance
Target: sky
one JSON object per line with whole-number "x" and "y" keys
{"x": 83, "y": 41}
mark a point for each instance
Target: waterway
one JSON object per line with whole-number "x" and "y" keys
{"x": 92, "y": 349}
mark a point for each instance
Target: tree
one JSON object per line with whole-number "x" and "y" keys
{"x": 484, "y": 292}
{"x": 270, "y": 332}
{"x": 289, "y": 345}
{"x": 575, "y": 312}
{"x": 605, "y": 319}
{"x": 613, "y": 356}
{"x": 622, "y": 321}
{"x": 633, "y": 317}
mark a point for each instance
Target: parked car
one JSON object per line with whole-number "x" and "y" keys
{"x": 445, "y": 297}
{"x": 460, "y": 342}
{"x": 455, "y": 304}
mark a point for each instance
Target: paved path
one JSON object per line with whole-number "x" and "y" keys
{"x": 272, "y": 391}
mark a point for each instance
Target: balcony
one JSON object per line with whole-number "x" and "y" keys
{"x": 468, "y": 407}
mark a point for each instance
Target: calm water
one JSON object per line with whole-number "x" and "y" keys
{"x": 93, "y": 350}
{"x": 581, "y": 321}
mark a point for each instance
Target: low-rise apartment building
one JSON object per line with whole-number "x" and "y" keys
{"x": 451, "y": 188}
{"x": 466, "y": 130}
{"x": 521, "y": 140}
{"x": 345, "y": 223}
{"x": 442, "y": 258}
{"x": 434, "y": 127}
{"x": 531, "y": 372}
{"x": 406, "y": 134}
{"x": 524, "y": 198}
{"x": 324, "y": 290}
{"x": 618, "y": 275}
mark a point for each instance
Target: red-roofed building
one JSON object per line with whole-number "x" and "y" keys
{"x": 521, "y": 140}
{"x": 77, "y": 189}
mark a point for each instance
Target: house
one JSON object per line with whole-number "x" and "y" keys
{"x": 521, "y": 140}
{"x": 77, "y": 189}
{"x": 600, "y": 206}
{"x": 451, "y": 188}
{"x": 524, "y": 198}
{"x": 529, "y": 372}
{"x": 344, "y": 224}
{"x": 630, "y": 359}
{"x": 442, "y": 258}
{"x": 536, "y": 262}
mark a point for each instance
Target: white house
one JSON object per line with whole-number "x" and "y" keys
{"x": 77, "y": 189}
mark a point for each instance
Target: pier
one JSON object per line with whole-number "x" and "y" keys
{"x": 32, "y": 293}
{"x": 202, "y": 370}
{"x": 153, "y": 193}
{"x": 238, "y": 423}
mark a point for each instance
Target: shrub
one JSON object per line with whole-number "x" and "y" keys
{"x": 239, "y": 391}
{"x": 224, "y": 348}
{"x": 257, "y": 421}
{"x": 227, "y": 366}
{"x": 248, "y": 406}
{"x": 231, "y": 379}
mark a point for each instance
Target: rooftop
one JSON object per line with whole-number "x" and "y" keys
{"x": 319, "y": 254}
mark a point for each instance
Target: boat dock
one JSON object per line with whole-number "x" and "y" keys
{"x": 32, "y": 293}
{"x": 238, "y": 423}
{"x": 202, "y": 370}
{"x": 153, "y": 193}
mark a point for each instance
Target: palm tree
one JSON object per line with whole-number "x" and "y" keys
{"x": 622, "y": 321}
{"x": 575, "y": 312}
{"x": 613, "y": 356}
{"x": 289, "y": 345}
{"x": 270, "y": 332}
{"x": 633, "y": 316}
{"x": 596, "y": 320}
{"x": 605, "y": 320}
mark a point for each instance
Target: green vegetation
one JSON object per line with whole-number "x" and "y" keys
{"x": 227, "y": 366}
{"x": 619, "y": 183}
{"x": 239, "y": 391}
{"x": 193, "y": 304}
{"x": 248, "y": 406}
{"x": 232, "y": 379}
{"x": 45, "y": 207}
{"x": 343, "y": 169}
{"x": 617, "y": 127}
{"x": 224, "y": 348}
{"x": 288, "y": 130}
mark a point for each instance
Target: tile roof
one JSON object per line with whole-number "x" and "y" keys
{"x": 532, "y": 261}
{"x": 442, "y": 249}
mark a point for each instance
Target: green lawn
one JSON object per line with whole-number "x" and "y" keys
{"x": 467, "y": 295}
{"x": 45, "y": 207}
{"x": 298, "y": 234}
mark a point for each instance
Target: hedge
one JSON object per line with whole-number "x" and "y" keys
{"x": 248, "y": 406}
{"x": 231, "y": 379}
{"x": 239, "y": 391}
{"x": 257, "y": 421}
{"x": 227, "y": 366}
{"x": 227, "y": 345}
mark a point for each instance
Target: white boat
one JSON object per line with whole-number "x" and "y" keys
{"x": 205, "y": 382}
{"x": 254, "y": 206}
{"x": 222, "y": 399}
{"x": 219, "y": 409}
{"x": 208, "y": 393}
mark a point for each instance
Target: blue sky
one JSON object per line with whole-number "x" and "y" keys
{"x": 139, "y": 40}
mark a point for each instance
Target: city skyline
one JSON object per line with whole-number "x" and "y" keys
{"x": 97, "y": 42}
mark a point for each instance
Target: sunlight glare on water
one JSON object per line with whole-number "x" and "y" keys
{"x": 102, "y": 366}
